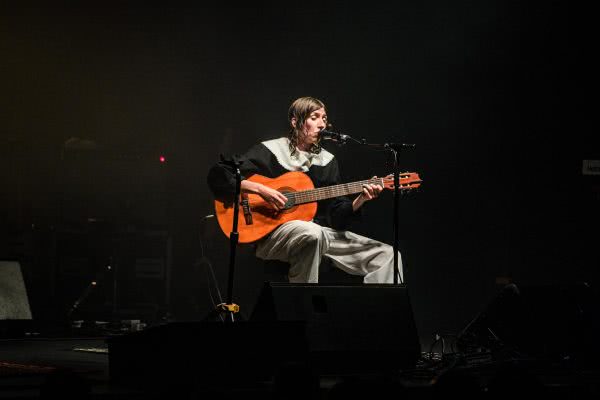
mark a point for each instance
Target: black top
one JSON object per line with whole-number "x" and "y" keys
{"x": 271, "y": 159}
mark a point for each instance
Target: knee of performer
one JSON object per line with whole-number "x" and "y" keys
{"x": 311, "y": 235}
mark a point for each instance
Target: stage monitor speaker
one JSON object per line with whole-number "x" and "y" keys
{"x": 204, "y": 353}
{"x": 553, "y": 322}
{"x": 14, "y": 303}
{"x": 349, "y": 328}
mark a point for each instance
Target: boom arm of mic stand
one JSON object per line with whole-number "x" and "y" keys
{"x": 399, "y": 146}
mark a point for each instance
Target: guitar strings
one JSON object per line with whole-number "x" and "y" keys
{"x": 307, "y": 196}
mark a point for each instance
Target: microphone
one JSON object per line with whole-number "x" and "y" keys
{"x": 333, "y": 136}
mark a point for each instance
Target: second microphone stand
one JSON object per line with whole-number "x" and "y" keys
{"x": 395, "y": 149}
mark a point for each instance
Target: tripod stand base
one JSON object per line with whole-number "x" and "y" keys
{"x": 225, "y": 312}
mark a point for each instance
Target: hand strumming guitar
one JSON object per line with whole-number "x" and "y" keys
{"x": 273, "y": 197}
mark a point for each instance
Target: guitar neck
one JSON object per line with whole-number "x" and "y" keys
{"x": 328, "y": 192}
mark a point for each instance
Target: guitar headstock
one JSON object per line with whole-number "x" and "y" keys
{"x": 408, "y": 181}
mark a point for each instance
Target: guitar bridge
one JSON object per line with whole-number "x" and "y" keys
{"x": 246, "y": 209}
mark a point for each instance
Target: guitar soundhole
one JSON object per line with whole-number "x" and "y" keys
{"x": 291, "y": 203}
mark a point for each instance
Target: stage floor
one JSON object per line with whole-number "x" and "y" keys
{"x": 59, "y": 367}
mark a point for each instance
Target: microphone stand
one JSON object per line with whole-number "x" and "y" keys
{"x": 229, "y": 308}
{"x": 395, "y": 149}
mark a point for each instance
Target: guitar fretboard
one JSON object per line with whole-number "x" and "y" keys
{"x": 328, "y": 192}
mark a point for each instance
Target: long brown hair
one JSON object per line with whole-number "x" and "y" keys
{"x": 301, "y": 109}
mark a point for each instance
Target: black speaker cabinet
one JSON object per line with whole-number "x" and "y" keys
{"x": 190, "y": 354}
{"x": 349, "y": 328}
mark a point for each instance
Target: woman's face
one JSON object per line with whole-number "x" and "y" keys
{"x": 309, "y": 135}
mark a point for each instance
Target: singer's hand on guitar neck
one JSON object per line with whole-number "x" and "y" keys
{"x": 369, "y": 192}
{"x": 273, "y": 197}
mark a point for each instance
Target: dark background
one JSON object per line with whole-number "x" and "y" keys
{"x": 493, "y": 95}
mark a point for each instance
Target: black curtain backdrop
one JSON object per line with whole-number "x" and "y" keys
{"x": 491, "y": 93}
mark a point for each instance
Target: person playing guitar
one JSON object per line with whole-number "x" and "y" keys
{"x": 294, "y": 207}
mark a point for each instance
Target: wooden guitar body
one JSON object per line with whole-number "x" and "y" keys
{"x": 264, "y": 218}
{"x": 256, "y": 218}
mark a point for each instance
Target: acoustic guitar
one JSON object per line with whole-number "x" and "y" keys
{"x": 257, "y": 218}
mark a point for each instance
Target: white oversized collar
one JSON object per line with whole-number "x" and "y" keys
{"x": 301, "y": 160}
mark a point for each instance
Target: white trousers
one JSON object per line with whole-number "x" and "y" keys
{"x": 303, "y": 244}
